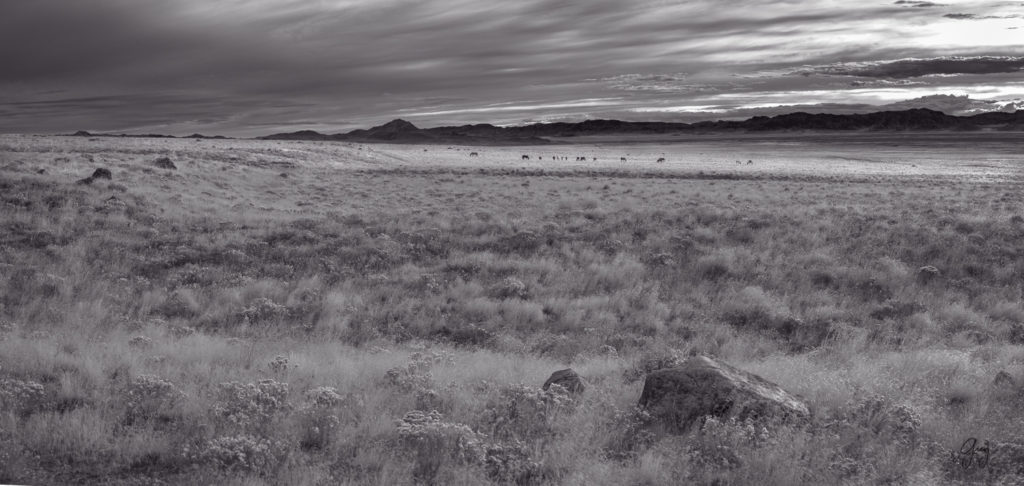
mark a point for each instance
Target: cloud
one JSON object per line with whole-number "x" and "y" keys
{"x": 918, "y": 4}
{"x": 240, "y": 66}
{"x": 912, "y": 68}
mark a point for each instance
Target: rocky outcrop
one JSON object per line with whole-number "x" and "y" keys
{"x": 678, "y": 397}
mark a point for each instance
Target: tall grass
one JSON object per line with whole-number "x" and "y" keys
{"x": 194, "y": 340}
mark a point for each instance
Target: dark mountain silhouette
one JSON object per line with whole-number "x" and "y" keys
{"x": 918, "y": 119}
{"x": 83, "y": 133}
{"x": 401, "y": 131}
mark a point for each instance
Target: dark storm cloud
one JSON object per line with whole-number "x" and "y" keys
{"x": 918, "y": 4}
{"x": 912, "y": 68}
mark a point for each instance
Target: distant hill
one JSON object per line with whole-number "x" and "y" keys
{"x": 918, "y": 119}
{"x": 83, "y": 133}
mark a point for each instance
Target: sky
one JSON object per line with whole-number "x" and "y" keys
{"x": 255, "y": 67}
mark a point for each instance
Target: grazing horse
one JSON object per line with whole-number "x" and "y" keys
{"x": 474, "y": 154}
{"x": 526, "y": 157}
{"x": 622, "y": 159}
{"x": 750, "y": 162}
{"x": 661, "y": 159}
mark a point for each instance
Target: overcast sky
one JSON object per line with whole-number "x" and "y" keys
{"x": 254, "y": 67}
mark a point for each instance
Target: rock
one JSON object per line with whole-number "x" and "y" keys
{"x": 165, "y": 163}
{"x": 567, "y": 379}
{"x": 40, "y": 171}
{"x": 678, "y": 397}
{"x": 927, "y": 273}
{"x": 102, "y": 173}
{"x": 1004, "y": 380}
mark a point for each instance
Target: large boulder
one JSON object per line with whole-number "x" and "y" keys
{"x": 678, "y": 397}
{"x": 567, "y": 379}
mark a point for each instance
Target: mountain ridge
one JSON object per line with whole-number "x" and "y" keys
{"x": 915, "y": 119}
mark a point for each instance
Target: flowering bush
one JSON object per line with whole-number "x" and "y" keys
{"x": 510, "y": 463}
{"x": 149, "y": 396}
{"x": 239, "y": 453}
{"x": 633, "y": 434}
{"x": 251, "y": 404}
{"x": 263, "y": 310}
{"x": 525, "y": 412}
{"x": 720, "y": 442}
{"x": 21, "y": 396}
{"x": 279, "y": 364}
{"x": 436, "y": 442}
{"x": 317, "y": 421}
{"x": 415, "y": 375}
{"x": 324, "y": 397}
{"x": 510, "y": 288}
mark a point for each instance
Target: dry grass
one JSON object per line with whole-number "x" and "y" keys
{"x": 223, "y": 324}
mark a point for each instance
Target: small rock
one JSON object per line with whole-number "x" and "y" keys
{"x": 927, "y": 273}
{"x": 102, "y": 173}
{"x": 678, "y": 397}
{"x": 1004, "y": 380}
{"x": 40, "y": 171}
{"x": 165, "y": 163}
{"x": 567, "y": 379}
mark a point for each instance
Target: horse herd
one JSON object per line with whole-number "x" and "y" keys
{"x": 584, "y": 158}
{"x": 562, "y": 157}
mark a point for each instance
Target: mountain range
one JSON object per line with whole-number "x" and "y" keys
{"x": 918, "y": 119}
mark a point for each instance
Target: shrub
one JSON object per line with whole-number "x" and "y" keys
{"x": 435, "y": 442}
{"x": 714, "y": 267}
{"x": 722, "y": 444}
{"x": 251, "y": 404}
{"x": 279, "y": 364}
{"x": 263, "y": 310}
{"x": 511, "y": 463}
{"x": 240, "y": 453}
{"x": 22, "y": 396}
{"x": 149, "y": 397}
{"x": 510, "y": 288}
{"x": 631, "y": 433}
{"x": 317, "y": 421}
{"x": 527, "y": 413}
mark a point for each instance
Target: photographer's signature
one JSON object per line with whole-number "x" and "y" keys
{"x": 973, "y": 454}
